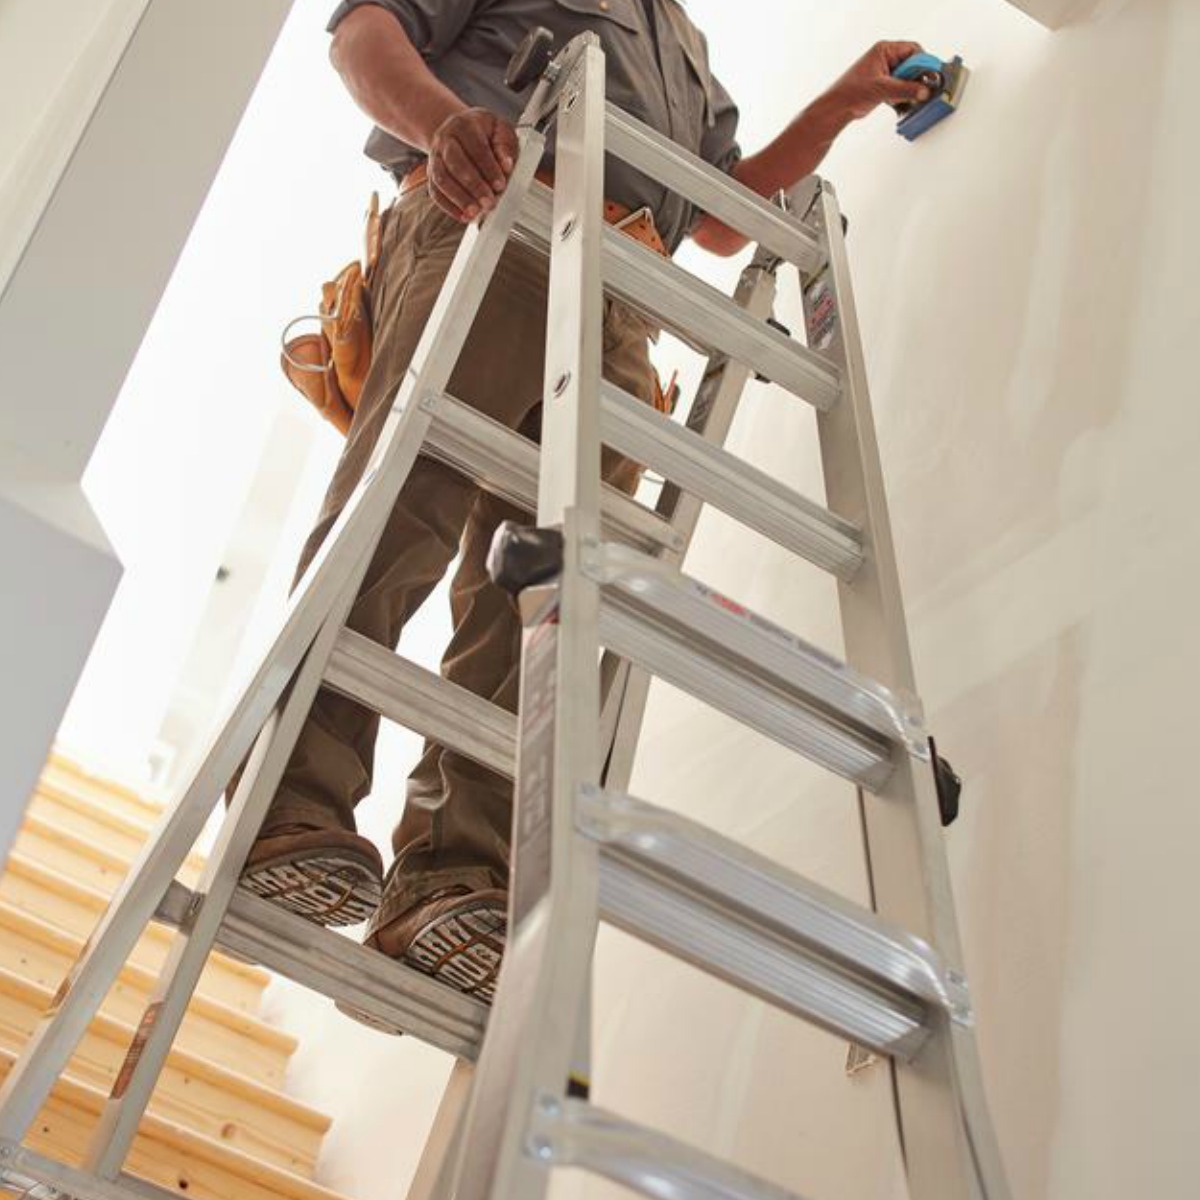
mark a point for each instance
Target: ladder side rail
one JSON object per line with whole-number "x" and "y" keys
{"x": 133, "y": 904}
{"x": 135, "y": 1081}
{"x": 711, "y": 417}
{"x": 434, "y": 1176}
{"x": 533, "y": 1036}
{"x": 905, "y": 850}
{"x": 711, "y": 190}
{"x": 435, "y": 358}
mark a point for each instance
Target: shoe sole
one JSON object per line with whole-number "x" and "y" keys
{"x": 461, "y": 949}
{"x": 328, "y": 887}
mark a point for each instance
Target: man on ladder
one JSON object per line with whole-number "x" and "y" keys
{"x": 430, "y": 74}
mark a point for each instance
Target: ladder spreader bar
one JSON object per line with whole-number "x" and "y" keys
{"x": 324, "y": 961}
{"x": 712, "y": 191}
{"x": 729, "y": 483}
{"x": 422, "y": 701}
{"x": 694, "y": 310}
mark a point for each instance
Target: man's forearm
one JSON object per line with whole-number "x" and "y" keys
{"x": 799, "y": 149}
{"x": 389, "y": 79}
{"x": 780, "y": 165}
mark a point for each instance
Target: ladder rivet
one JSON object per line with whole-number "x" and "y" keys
{"x": 561, "y": 383}
{"x": 542, "y": 1148}
{"x": 549, "y": 1105}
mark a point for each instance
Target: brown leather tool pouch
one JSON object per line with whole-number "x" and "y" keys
{"x": 328, "y": 367}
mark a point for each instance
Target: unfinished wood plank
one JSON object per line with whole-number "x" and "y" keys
{"x": 90, "y": 817}
{"x": 65, "y": 772}
{"x": 59, "y": 900}
{"x": 192, "y": 1091}
{"x": 106, "y": 854}
{"x": 163, "y": 1152}
{"x": 35, "y": 950}
{"x": 89, "y": 864}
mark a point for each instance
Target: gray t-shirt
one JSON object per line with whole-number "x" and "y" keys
{"x": 657, "y": 71}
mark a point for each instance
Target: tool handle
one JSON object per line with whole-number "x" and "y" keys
{"x": 531, "y": 59}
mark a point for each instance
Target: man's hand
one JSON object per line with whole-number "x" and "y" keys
{"x": 471, "y": 155}
{"x": 869, "y": 83}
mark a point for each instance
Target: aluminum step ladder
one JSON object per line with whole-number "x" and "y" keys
{"x": 599, "y": 570}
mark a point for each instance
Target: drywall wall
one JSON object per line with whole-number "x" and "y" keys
{"x": 122, "y": 122}
{"x": 1025, "y": 281}
{"x": 1026, "y": 286}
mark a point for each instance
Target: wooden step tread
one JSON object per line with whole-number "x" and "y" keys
{"x": 105, "y": 854}
{"x": 164, "y": 1152}
{"x": 64, "y": 772}
{"x": 76, "y": 908}
{"x": 115, "y": 825}
{"x": 36, "y": 949}
{"x": 192, "y": 1090}
{"x": 115, "y": 868}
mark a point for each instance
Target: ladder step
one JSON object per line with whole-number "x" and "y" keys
{"x": 574, "y": 1133}
{"x": 423, "y": 701}
{"x": 696, "y": 311}
{"x": 505, "y": 463}
{"x": 747, "y": 667}
{"x": 728, "y": 483}
{"x": 394, "y": 995}
{"x": 764, "y": 928}
{"x": 710, "y": 190}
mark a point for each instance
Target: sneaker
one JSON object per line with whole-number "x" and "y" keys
{"x": 331, "y": 877}
{"x": 455, "y": 936}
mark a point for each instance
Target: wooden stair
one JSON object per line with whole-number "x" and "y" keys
{"x": 219, "y": 1124}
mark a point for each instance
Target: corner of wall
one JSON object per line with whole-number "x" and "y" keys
{"x": 1057, "y": 14}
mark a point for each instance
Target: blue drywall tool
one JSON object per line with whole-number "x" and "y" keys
{"x": 946, "y": 80}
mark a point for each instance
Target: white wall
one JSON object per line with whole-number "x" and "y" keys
{"x": 1026, "y": 284}
{"x": 104, "y": 173}
{"x": 1026, "y": 281}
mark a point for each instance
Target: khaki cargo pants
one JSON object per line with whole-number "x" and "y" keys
{"x": 456, "y": 827}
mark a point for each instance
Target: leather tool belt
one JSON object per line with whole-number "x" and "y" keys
{"x": 328, "y": 367}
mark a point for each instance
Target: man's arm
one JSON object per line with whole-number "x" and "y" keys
{"x": 799, "y": 149}
{"x": 471, "y": 151}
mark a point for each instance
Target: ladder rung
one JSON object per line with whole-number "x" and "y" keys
{"x": 710, "y": 190}
{"x": 744, "y": 665}
{"x": 574, "y": 1133}
{"x": 330, "y": 963}
{"x": 422, "y": 701}
{"x": 696, "y": 311}
{"x": 728, "y": 483}
{"x": 506, "y": 463}
{"x": 752, "y": 922}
